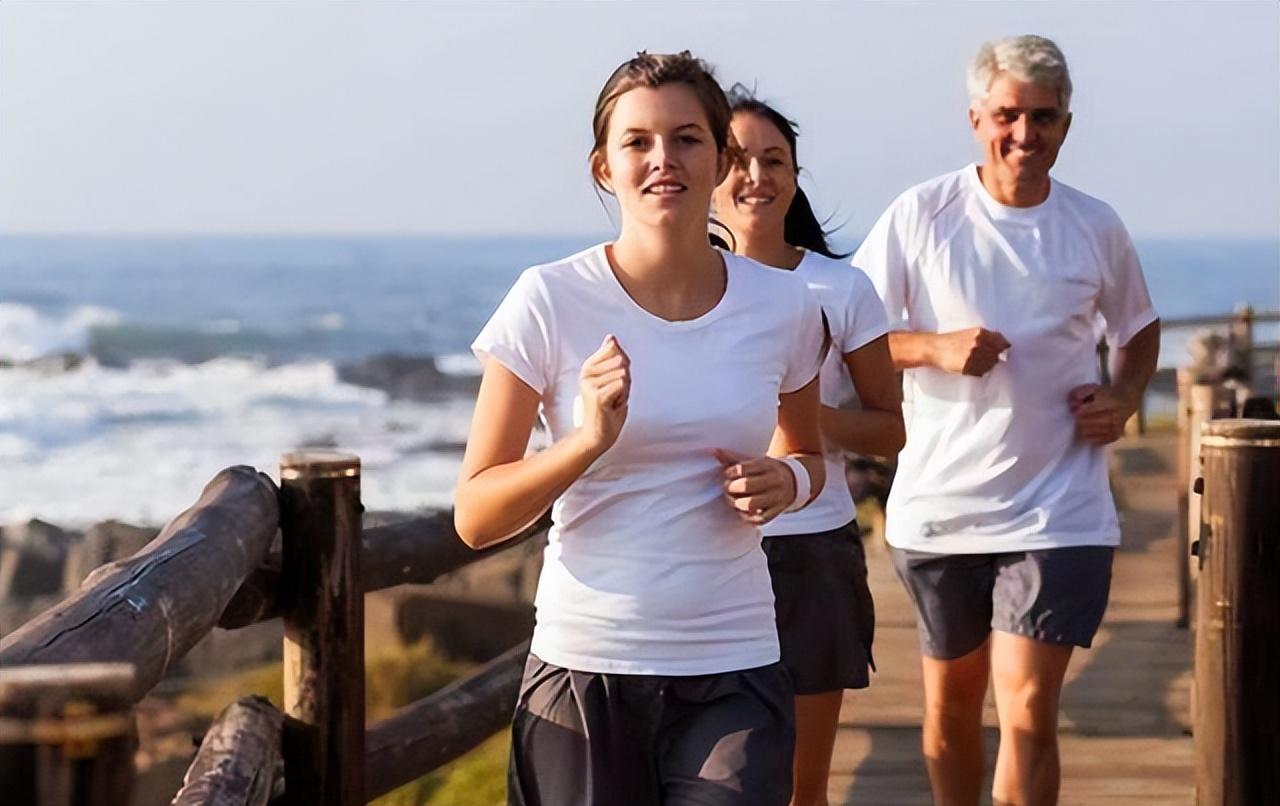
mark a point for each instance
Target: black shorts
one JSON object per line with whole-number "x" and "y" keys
{"x": 826, "y": 616}
{"x": 1053, "y": 595}
{"x": 588, "y": 739}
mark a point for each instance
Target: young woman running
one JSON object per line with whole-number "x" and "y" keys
{"x": 824, "y": 607}
{"x": 660, "y": 366}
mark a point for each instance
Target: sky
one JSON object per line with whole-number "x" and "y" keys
{"x": 473, "y": 119}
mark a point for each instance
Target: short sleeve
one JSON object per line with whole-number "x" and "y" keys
{"x": 883, "y": 258}
{"x": 518, "y": 335}
{"x": 1123, "y": 300}
{"x": 808, "y": 346}
{"x": 864, "y": 312}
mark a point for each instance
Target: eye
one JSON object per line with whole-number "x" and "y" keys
{"x": 690, "y": 139}
{"x": 1044, "y": 117}
{"x": 1007, "y": 116}
{"x": 632, "y": 142}
{"x": 773, "y": 162}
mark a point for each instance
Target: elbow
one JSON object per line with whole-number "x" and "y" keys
{"x": 896, "y": 438}
{"x": 470, "y": 528}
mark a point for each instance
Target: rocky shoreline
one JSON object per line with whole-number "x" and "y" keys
{"x": 414, "y": 378}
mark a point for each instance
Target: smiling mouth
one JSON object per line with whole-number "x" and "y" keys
{"x": 665, "y": 188}
{"x": 754, "y": 200}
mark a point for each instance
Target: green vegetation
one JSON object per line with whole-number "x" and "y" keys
{"x": 477, "y": 779}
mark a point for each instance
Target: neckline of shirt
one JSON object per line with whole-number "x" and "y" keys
{"x": 601, "y": 263}
{"x": 1004, "y": 211}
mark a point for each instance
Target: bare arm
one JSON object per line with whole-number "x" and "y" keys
{"x": 877, "y": 428}
{"x": 500, "y": 490}
{"x": 965, "y": 352}
{"x": 1101, "y": 411}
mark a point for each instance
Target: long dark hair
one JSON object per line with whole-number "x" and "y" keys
{"x": 801, "y": 227}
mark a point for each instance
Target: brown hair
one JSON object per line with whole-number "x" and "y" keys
{"x": 653, "y": 70}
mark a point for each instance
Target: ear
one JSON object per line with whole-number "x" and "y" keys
{"x": 600, "y": 173}
{"x": 1066, "y": 126}
{"x": 974, "y": 118}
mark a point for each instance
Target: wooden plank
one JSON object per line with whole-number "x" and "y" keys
{"x": 239, "y": 761}
{"x": 151, "y": 608}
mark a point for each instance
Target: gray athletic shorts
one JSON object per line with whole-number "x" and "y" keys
{"x": 826, "y": 616}
{"x": 587, "y": 739}
{"x": 1052, "y": 595}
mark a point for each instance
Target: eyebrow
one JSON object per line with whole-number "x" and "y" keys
{"x": 1028, "y": 109}
{"x": 680, "y": 128}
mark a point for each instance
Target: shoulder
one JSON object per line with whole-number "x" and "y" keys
{"x": 762, "y": 287}
{"x": 545, "y": 281}
{"x": 925, "y": 200}
{"x": 838, "y": 277}
{"x": 1089, "y": 210}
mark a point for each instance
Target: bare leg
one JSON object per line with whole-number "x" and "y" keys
{"x": 1027, "y": 676}
{"x": 817, "y": 718}
{"x": 953, "y": 694}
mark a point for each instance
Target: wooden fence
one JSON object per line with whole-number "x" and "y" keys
{"x": 70, "y": 677}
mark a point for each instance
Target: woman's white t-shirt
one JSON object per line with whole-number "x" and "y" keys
{"x": 648, "y": 570}
{"x": 855, "y": 317}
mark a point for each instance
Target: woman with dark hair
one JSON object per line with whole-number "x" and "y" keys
{"x": 661, "y": 367}
{"x": 824, "y": 608}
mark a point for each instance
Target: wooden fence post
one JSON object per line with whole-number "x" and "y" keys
{"x": 324, "y": 629}
{"x": 1183, "y": 469}
{"x": 1206, "y": 400}
{"x": 67, "y": 734}
{"x": 1237, "y": 669}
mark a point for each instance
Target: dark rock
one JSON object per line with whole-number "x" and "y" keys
{"x": 32, "y": 559}
{"x": 103, "y": 543}
{"x": 52, "y": 364}
{"x": 406, "y": 377}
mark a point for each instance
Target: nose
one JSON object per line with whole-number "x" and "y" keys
{"x": 754, "y": 170}
{"x": 660, "y": 154}
{"x": 1021, "y": 128}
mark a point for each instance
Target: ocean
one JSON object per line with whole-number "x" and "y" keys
{"x": 194, "y": 353}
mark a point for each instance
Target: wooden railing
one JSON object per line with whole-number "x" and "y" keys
{"x": 70, "y": 677}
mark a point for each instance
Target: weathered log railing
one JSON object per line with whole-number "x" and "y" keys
{"x": 213, "y": 566}
{"x": 69, "y": 677}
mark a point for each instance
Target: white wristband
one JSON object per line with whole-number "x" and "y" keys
{"x": 803, "y": 482}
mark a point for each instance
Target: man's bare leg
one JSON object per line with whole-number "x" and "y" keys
{"x": 954, "y": 691}
{"x": 1027, "y": 676}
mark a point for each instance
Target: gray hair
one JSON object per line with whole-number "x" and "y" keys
{"x": 1029, "y": 58}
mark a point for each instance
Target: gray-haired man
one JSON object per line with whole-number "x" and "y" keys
{"x": 1001, "y": 518}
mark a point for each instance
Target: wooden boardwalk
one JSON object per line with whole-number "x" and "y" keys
{"x": 1126, "y": 708}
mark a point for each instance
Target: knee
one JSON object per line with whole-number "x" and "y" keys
{"x": 1031, "y": 708}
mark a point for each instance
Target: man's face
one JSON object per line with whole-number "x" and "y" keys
{"x": 1020, "y": 127}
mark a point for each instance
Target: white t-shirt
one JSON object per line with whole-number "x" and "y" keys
{"x": 648, "y": 570}
{"x": 855, "y": 317}
{"x": 993, "y": 464}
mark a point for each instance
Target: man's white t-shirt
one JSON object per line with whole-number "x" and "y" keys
{"x": 648, "y": 569}
{"x": 992, "y": 463}
{"x": 855, "y": 318}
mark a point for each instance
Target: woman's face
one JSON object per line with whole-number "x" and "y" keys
{"x": 754, "y": 197}
{"x": 660, "y": 158}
